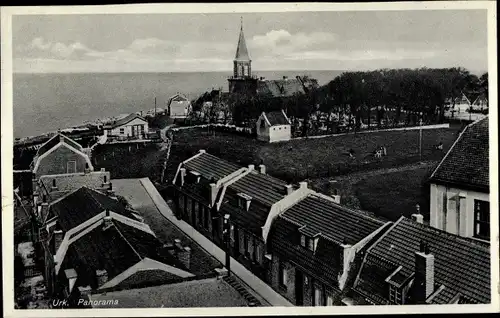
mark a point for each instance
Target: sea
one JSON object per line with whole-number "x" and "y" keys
{"x": 47, "y": 102}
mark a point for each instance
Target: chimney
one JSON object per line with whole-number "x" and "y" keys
{"x": 58, "y": 238}
{"x": 43, "y": 209}
{"x": 424, "y": 273}
{"x": 184, "y": 256}
{"x": 336, "y": 196}
{"x": 107, "y": 222}
{"x": 347, "y": 258}
{"x": 87, "y": 169}
{"x": 417, "y": 217}
{"x": 251, "y": 167}
{"x": 202, "y": 151}
{"x": 111, "y": 192}
{"x": 54, "y": 185}
{"x": 213, "y": 193}
{"x": 61, "y": 137}
{"x": 102, "y": 277}
{"x": 71, "y": 276}
{"x": 262, "y": 169}
{"x": 303, "y": 185}
{"x": 183, "y": 176}
{"x": 103, "y": 170}
{"x": 289, "y": 189}
{"x": 285, "y": 77}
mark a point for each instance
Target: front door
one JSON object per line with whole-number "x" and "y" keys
{"x": 299, "y": 288}
{"x": 135, "y": 131}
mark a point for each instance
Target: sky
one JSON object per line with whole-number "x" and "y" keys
{"x": 194, "y": 42}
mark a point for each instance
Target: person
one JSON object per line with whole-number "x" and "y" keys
{"x": 384, "y": 151}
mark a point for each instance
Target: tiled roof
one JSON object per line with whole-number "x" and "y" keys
{"x": 462, "y": 265}
{"x": 84, "y": 204}
{"x": 261, "y": 187}
{"x": 280, "y": 88}
{"x": 332, "y": 224}
{"x": 52, "y": 142}
{"x": 178, "y": 98}
{"x": 114, "y": 249}
{"x": 277, "y": 118}
{"x": 467, "y": 162}
{"x": 335, "y": 222}
{"x": 211, "y": 166}
{"x": 125, "y": 120}
{"x": 70, "y": 182}
{"x": 210, "y": 292}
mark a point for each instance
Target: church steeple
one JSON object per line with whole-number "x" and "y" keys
{"x": 242, "y": 62}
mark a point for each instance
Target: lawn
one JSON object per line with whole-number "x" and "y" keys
{"x": 143, "y": 160}
{"x": 297, "y": 160}
{"x": 394, "y": 194}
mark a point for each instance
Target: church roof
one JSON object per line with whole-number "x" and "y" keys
{"x": 241, "y": 50}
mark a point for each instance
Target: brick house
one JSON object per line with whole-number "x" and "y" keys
{"x": 413, "y": 263}
{"x": 60, "y": 155}
{"x": 459, "y": 186}
{"x": 273, "y": 127}
{"x": 315, "y": 246}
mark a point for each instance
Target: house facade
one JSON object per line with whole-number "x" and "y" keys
{"x": 413, "y": 263}
{"x": 179, "y": 106}
{"x": 315, "y": 246}
{"x": 459, "y": 186}
{"x": 132, "y": 126}
{"x": 60, "y": 155}
{"x": 274, "y": 127}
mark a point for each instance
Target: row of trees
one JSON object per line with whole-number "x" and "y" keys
{"x": 354, "y": 100}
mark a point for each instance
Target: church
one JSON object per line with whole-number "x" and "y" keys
{"x": 244, "y": 82}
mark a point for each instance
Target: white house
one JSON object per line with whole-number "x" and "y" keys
{"x": 178, "y": 106}
{"x": 274, "y": 126}
{"x": 460, "y": 185}
{"x": 133, "y": 126}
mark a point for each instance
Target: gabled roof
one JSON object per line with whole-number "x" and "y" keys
{"x": 114, "y": 249}
{"x": 52, "y": 142}
{"x": 481, "y": 98}
{"x": 71, "y": 182}
{"x": 211, "y": 166}
{"x": 126, "y": 120}
{"x": 331, "y": 220}
{"x": 277, "y": 118}
{"x": 178, "y": 98}
{"x": 261, "y": 187}
{"x": 462, "y": 265}
{"x": 82, "y": 205}
{"x": 467, "y": 162}
{"x": 241, "y": 50}
{"x": 280, "y": 88}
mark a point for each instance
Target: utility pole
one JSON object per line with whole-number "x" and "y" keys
{"x": 155, "y": 106}
{"x": 420, "y": 139}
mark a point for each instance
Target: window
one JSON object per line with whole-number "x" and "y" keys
{"x": 395, "y": 295}
{"x": 482, "y": 219}
{"x": 318, "y": 296}
{"x": 303, "y": 240}
{"x": 262, "y": 124}
{"x": 206, "y": 216}
{"x": 258, "y": 252}
{"x": 71, "y": 167}
{"x": 310, "y": 245}
{"x": 329, "y": 300}
{"x": 122, "y": 131}
{"x": 283, "y": 275}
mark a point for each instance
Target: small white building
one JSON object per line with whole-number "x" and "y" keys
{"x": 131, "y": 126}
{"x": 274, "y": 126}
{"x": 460, "y": 185}
{"x": 179, "y": 106}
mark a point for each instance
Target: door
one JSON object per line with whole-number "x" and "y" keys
{"x": 299, "y": 288}
{"x": 71, "y": 167}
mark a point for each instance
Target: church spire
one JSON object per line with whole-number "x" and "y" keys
{"x": 241, "y": 50}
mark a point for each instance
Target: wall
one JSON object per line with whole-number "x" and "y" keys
{"x": 446, "y": 214}
{"x": 56, "y": 162}
{"x": 280, "y": 133}
{"x": 179, "y": 109}
{"x": 289, "y": 291}
{"x": 128, "y": 128}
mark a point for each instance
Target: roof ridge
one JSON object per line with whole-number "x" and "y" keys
{"x": 449, "y": 235}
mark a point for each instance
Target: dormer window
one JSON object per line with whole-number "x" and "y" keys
{"x": 398, "y": 283}
{"x": 244, "y": 201}
{"x": 195, "y": 176}
{"x": 395, "y": 295}
{"x": 308, "y": 239}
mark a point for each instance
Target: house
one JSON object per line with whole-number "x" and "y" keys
{"x": 179, "y": 106}
{"x": 481, "y": 102}
{"x": 316, "y": 246}
{"x": 413, "y": 263}
{"x": 60, "y": 155}
{"x": 459, "y": 186}
{"x": 67, "y": 219}
{"x": 209, "y": 292}
{"x": 132, "y": 126}
{"x": 286, "y": 87}
{"x": 274, "y": 126}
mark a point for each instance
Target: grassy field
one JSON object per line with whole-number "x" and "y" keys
{"x": 297, "y": 160}
{"x": 140, "y": 161}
